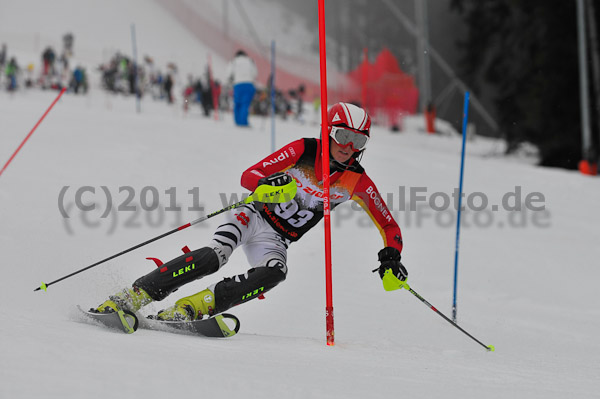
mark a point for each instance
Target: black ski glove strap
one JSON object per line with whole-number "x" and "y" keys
{"x": 389, "y": 258}
{"x": 276, "y": 179}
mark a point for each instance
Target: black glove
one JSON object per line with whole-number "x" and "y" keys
{"x": 390, "y": 259}
{"x": 276, "y": 179}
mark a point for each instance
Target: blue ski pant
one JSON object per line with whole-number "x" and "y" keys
{"x": 243, "y": 93}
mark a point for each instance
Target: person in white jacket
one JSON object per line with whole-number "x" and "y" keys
{"x": 242, "y": 72}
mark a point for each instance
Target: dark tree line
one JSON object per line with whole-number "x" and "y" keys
{"x": 527, "y": 51}
{"x": 521, "y": 53}
{"x": 353, "y": 25}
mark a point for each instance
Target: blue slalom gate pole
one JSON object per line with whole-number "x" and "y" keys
{"x": 460, "y": 189}
{"x": 272, "y": 96}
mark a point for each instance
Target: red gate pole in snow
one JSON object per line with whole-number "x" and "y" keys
{"x": 325, "y": 157}
{"x": 32, "y": 130}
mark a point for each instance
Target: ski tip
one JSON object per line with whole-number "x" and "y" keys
{"x": 491, "y": 348}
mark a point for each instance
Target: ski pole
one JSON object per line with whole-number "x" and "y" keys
{"x": 263, "y": 193}
{"x": 404, "y": 284}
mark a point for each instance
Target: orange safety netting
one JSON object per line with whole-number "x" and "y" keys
{"x": 385, "y": 91}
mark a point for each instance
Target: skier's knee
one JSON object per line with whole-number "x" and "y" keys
{"x": 244, "y": 287}
{"x": 186, "y": 268}
{"x": 225, "y": 240}
{"x": 274, "y": 263}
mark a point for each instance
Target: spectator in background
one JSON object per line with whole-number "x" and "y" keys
{"x": 48, "y": 57}
{"x": 79, "y": 80}
{"x": 2, "y": 60}
{"x": 68, "y": 40}
{"x": 11, "y": 74}
{"x": 207, "y": 93}
{"x": 198, "y": 92}
{"x": 131, "y": 77}
{"x": 168, "y": 86}
{"x": 2, "y": 56}
{"x": 216, "y": 87}
{"x": 29, "y": 80}
{"x": 242, "y": 72}
{"x": 188, "y": 93}
{"x": 300, "y": 104}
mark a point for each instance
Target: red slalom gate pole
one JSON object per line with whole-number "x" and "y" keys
{"x": 325, "y": 157}
{"x": 32, "y": 130}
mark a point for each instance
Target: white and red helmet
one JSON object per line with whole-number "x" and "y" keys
{"x": 350, "y": 116}
{"x": 349, "y": 125}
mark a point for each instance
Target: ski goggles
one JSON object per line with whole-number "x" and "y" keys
{"x": 345, "y": 137}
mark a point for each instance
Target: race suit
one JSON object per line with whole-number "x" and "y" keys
{"x": 302, "y": 160}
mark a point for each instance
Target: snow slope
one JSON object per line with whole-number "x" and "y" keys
{"x": 526, "y": 290}
{"x": 527, "y": 283}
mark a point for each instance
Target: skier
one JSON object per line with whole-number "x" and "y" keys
{"x": 265, "y": 230}
{"x": 242, "y": 72}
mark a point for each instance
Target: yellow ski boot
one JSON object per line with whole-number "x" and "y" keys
{"x": 193, "y": 307}
{"x": 131, "y": 299}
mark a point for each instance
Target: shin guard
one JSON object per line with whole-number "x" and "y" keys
{"x": 178, "y": 272}
{"x": 244, "y": 287}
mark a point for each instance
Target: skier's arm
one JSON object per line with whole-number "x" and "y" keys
{"x": 279, "y": 161}
{"x": 367, "y": 195}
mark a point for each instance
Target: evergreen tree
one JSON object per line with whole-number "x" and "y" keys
{"x": 527, "y": 50}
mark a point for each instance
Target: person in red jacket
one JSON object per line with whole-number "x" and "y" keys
{"x": 265, "y": 230}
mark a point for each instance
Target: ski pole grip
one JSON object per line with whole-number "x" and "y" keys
{"x": 391, "y": 282}
{"x": 274, "y": 194}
